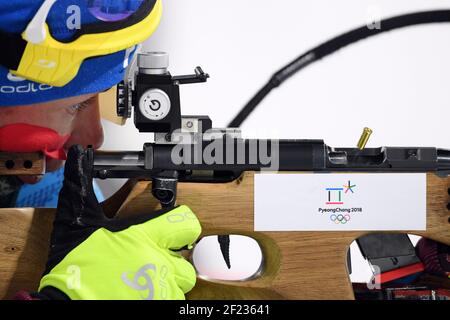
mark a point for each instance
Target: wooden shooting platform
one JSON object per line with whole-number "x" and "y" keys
{"x": 297, "y": 265}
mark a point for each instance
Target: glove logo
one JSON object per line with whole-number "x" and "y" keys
{"x": 74, "y": 280}
{"x": 140, "y": 285}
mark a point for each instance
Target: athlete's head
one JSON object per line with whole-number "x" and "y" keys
{"x": 56, "y": 57}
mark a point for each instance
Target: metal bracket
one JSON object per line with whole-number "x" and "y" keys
{"x": 164, "y": 188}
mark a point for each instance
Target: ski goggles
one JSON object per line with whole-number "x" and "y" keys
{"x": 37, "y": 56}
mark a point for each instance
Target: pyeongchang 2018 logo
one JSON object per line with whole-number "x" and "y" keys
{"x": 335, "y": 200}
{"x": 21, "y": 85}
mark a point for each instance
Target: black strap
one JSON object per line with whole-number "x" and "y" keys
{"x": 12, "y": 49}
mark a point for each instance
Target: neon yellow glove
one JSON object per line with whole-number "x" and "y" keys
{"x": 92, "y": 257}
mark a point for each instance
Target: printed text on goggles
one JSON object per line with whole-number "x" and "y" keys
{"x": 35, "y": 55}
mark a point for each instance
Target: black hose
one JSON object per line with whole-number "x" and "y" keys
{"x": 332, "y": 46}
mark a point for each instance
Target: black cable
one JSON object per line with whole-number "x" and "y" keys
{"x": 332, "y": 46}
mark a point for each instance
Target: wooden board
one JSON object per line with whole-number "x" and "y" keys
{"x": 24, "y": 244}
{"x": 12, "y": 164}
{"x": 298, "y": 265}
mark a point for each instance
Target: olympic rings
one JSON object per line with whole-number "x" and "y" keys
{"x": 343, "y": 219}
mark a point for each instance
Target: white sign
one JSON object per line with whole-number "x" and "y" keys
{"x": 336, "y": 202}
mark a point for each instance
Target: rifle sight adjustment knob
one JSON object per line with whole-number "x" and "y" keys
{"x": 154, "y": 104}
{"x": 153, "y": 62}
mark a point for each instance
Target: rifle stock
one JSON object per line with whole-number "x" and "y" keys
{"x": 297, "y": 265}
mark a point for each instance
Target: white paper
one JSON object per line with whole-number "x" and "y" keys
{"x": 333, "y": 202}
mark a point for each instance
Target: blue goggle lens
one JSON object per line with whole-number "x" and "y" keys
{"x": 113, "y": 10}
